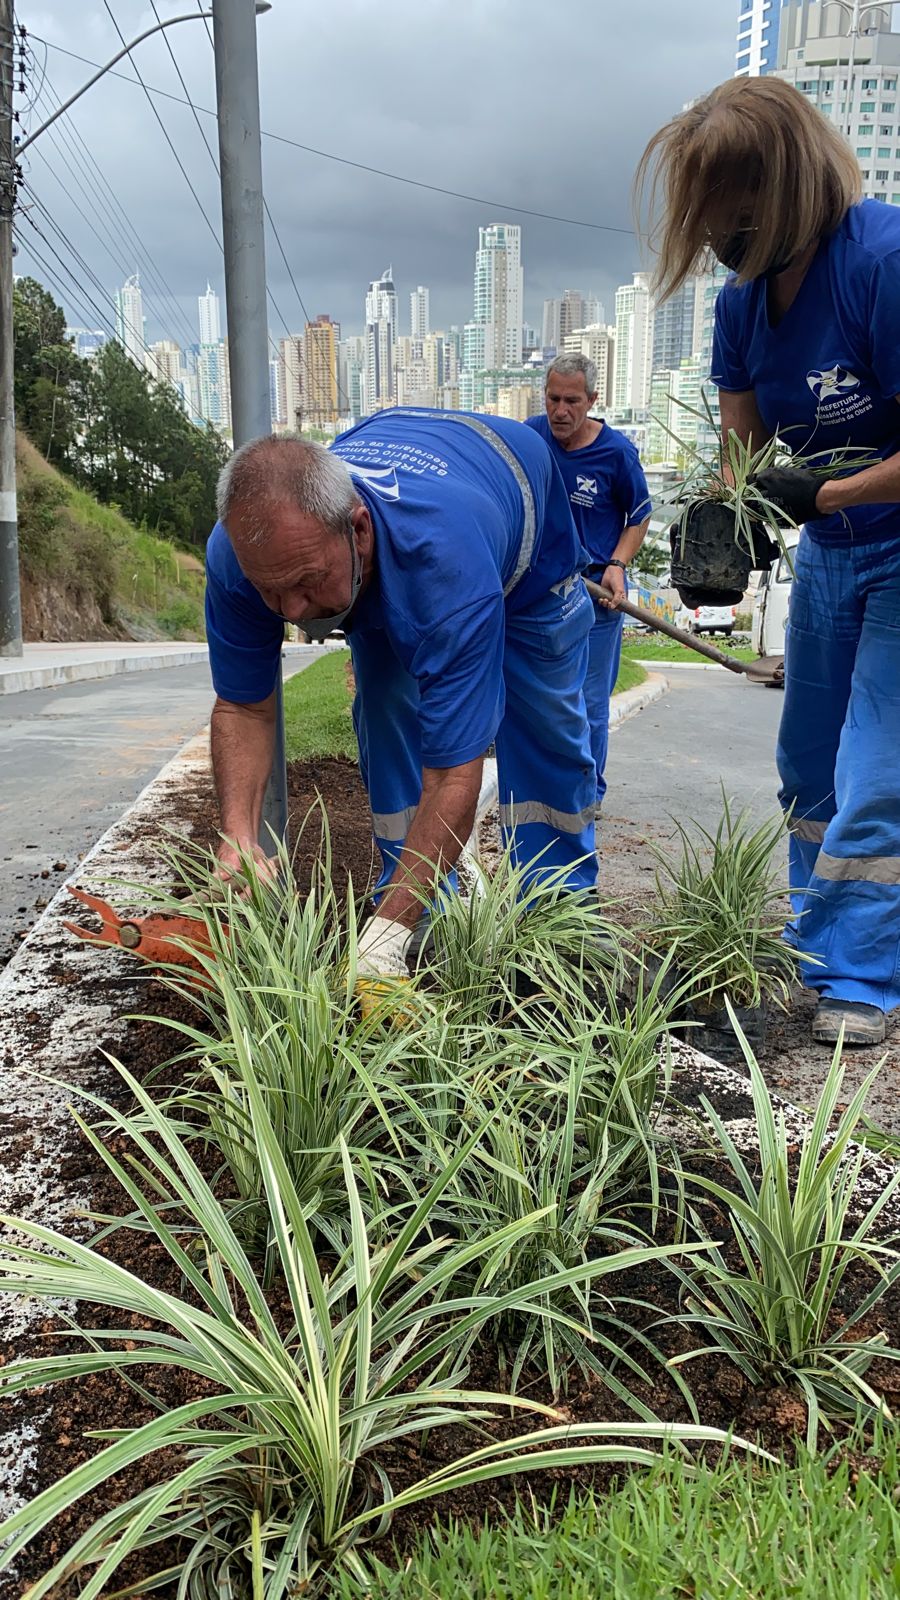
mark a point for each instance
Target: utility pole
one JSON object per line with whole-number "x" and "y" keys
{"x": 243, "y": 237}
{"x": 10, "y": 603}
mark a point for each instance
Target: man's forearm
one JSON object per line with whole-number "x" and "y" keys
{"x": 443, "y": 821}
{"x": 631, "y": 541}
{"x": 242, "y": 740}
{"x": 874, "y": 486}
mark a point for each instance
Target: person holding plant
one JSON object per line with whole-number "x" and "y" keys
{"x": 807, "y": 348}
{"x": 611, "y": 507}
{"x": 444, "y": 545}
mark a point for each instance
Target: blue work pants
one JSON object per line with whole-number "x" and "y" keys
{"x": 545, "y": 767}
{"x": 839, "y": 763}
{"x": 604, "y": 653}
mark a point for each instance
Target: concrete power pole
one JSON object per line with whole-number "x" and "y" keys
{"x": 243, "y": 237}
{"x": 10, "y": 603}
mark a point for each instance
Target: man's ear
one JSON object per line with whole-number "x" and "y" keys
{"x": 361, "y": 521}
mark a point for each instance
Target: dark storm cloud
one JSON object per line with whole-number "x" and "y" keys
{"x": 524, "y": 102}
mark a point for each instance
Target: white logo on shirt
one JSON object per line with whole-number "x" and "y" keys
{"x": 831, "y": 382}
{"x": 381, "y": 481}
{"x": 586, "y": 485}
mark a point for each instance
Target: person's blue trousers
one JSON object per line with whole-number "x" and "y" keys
{"x": 604, "y": 652}
{"x": 545, "y": 767}
{"x": 839, "y": 763}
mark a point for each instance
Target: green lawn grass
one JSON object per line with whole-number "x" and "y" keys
{"x": 317, "y": 707}
{"x": 734, "y": 1532}
{"x": 317, "y": 719}
{"x": 648, "y": 648}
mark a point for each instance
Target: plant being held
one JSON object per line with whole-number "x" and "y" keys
{"x": 799, "y": 1228}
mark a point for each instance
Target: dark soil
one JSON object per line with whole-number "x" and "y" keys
{"x": 68, "y": 1415}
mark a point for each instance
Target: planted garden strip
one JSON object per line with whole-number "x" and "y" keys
{"x": 464, "y": 1187}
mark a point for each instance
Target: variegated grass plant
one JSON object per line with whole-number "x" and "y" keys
{"x": 718, "y": 917}
{"x": 787, "y": 1304}
{"x": 282, "y": 1468}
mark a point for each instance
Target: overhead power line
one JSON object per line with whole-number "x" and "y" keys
{"x": 362, "y": 166}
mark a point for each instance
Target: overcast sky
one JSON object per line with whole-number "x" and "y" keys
{"x": 540, "y": 104}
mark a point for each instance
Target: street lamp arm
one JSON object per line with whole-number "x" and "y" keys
{"x": 187, "y": 16}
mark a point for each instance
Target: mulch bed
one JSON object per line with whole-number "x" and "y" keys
{"x": 68, "y": 1414}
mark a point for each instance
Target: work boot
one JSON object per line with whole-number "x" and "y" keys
{"x": 863, "y": 1024}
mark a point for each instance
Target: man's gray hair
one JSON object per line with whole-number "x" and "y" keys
{"x": 567, "y": 366}
{"x": 273, "y": 471}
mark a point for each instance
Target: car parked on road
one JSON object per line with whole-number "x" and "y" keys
{"x": 708, "y": 619}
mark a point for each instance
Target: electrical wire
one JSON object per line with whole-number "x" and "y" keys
{"x": 380, "y": 172}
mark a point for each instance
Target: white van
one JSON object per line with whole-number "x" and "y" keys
{"x": 770, "y": 613}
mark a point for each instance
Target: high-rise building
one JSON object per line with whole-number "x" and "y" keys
{"x": 499, "y": 291}
{"x": 276, "y": 393}
{"x": 594, "y": 311}
{"x": 290, "y": 361}
{"x": 87, "y": 341}
{"x": 598, "y": 343}
{"x": 130, "y": 319}
{"x": 351, "y": 368}
{"x": 419, "y": 313}
{"x": 214, "y": 385}
{"x": 634, "y": 347}
{"x": 673, "y": 328}
{"x": 381, "y": 337}
{"x": 320, "y": 376}
{"x": 210, "y": 319}
{"x": 163, "y": 362}
{"x": 860, "y": 99}
{"x": 550, "y": 339}
{"x": 757, "y": 37}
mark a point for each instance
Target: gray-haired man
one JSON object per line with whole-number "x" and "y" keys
{"x": 611, "y": 507}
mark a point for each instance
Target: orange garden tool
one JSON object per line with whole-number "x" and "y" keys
{"x": 152, "y": 938}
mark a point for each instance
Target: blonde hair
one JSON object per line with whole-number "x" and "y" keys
{"x": 751, "y": 154}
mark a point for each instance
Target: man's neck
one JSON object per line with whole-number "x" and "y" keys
{"x": 589, "y": 431}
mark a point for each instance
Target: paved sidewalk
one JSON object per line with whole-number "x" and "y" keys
{"x": 44, "y": 666}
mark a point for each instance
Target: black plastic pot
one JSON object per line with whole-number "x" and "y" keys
{"x": 711, "y": 564}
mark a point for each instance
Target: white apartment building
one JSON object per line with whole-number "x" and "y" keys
{"x": 130, "y": 319}
{"x": 634, "y": 347}
{"x": 209, "y": 316}
{"x": 499, "y": 291}
{"x": 419, "y": 313}
{"x": 598, "y": 343}
{"x": 381, "y": 338}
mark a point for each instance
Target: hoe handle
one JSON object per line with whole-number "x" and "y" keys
{"x": 660, "y": 624}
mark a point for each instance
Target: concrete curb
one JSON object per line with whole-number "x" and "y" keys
{"x": 623, "y": 706}
{"x": 53, "y": 674}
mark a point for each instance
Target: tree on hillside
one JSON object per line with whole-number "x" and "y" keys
{"x": 46, "y": 368}
{"x": 113, "y": 427}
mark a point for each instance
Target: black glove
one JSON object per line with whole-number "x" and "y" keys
{"x": 792, "y": 489}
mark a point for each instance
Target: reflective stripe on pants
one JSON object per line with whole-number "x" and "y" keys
{"x": 839, "y": 761}
{"x": 545, "y": 768}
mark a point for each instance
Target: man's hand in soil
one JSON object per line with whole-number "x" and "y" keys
{"x": 381, "y": 966}
{"x": 233, "y": 857}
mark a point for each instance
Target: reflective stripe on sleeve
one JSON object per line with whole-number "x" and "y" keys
{"x": 857, "y": 869}
{"x": 520, "y": 812}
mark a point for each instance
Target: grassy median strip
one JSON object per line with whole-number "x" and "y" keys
{"x": 733, "y": 1532}
{"x": 648, "y": 648}
{"x": 317, "y": 705}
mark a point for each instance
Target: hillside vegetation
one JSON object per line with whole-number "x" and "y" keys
{"x": 87, "y": 573}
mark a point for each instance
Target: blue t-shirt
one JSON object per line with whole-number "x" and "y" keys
{"x": 606, "y": 486}
{"x": 826, "y": 376}
{"x": 471, "y": 519}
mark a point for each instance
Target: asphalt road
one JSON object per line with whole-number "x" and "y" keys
{"x": 71, "y": 760}
{"x": 712, "y": 730}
